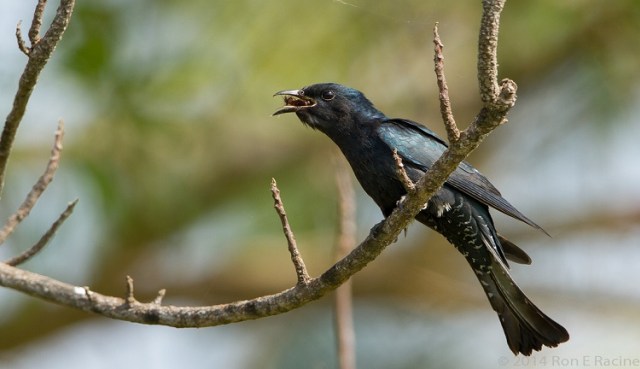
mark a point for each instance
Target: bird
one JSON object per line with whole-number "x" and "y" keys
{"x": 459, "y": 210}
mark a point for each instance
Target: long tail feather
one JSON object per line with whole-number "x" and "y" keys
{"x": 525, "y": 326}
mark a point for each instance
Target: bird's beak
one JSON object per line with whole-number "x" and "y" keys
{"x": 294, "y": 101}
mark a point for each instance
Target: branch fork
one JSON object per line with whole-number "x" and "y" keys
{"x": 130, "y": 299}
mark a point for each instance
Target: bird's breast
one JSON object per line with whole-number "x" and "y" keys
{"x": 375, "y": 170}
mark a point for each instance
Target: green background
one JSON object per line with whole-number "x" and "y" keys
{"x": 171, "y": 148}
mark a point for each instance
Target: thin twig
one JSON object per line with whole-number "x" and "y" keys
{"x": 408, "y": 184}
{"x": 346, "y": 210}
{"x": 344, "y": 327}
{"x": 298, "y": 263}
{"x": 36, "y": 23}
{"x": 496, "y": 97}
{"x": 453, "y": 133}
{"x": 159, "y": 297}
{"x": 38, "y": 188}
{"x": 39, "y": 54}
{"x": 21, "y": 43}
{"x": 487, "y": 50}
{"x": 130, "y": 299}
{"x": 44, "y": 240}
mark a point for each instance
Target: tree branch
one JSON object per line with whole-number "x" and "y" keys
{"x": 298, "y": 263}
{"x": 38, "y": 54}
{"x": 44, "y": 240}
{"x": 453, "y": 133}
{"x": 37, "y": 189}
{"x": 497, "y": 98}
{"x": 22, "y": 46}
{"x": 36, "y": 23}
{"x": 343, "y": 304}
{"x": 401, "y": 173}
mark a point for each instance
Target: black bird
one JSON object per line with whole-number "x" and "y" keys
{"x": 459, "y": 210}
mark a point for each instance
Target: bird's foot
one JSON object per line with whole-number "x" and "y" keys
{"x": 399, "y": 205}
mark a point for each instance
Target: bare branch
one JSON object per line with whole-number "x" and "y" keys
{"x": 44, "y": 240}
{"x": 488, "y": 50}
{"x": 39, "y": 54}
{"x": 298, "y": 263}
{"x": 382, "y": 235}
{"x": 159, "y": 297}
{"x": 36, "y": 23}
{"x": 343, "y": 307}
{"x": 130, "y": 299}
{"x": 38, "y": 188}
{"x": 149, "y": 313}
{"x": 489, "y": 118}
{"x": 21, "y": 44}
{"x": 346, "y": 210}
{"x": 497, "y": 97}
{"x": 408, "y": 184}
{"x": 453, "y": 133}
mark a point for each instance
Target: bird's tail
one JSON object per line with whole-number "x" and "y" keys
{"x": 525, "y": 326}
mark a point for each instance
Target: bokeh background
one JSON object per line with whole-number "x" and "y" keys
{"x": 170, "y": 148}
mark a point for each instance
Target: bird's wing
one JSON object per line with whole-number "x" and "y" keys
{"x": 420, "y": 147}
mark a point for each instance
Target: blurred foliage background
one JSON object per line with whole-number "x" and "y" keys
{"x": 170, "y": 147}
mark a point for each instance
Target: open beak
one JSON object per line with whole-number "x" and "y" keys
{"x": 294, "y": 100}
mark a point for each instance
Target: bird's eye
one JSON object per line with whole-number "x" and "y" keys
{"x": 328, "y": 95}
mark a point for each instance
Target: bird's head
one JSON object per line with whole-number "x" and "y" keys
{"x": 329, "y": 107}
